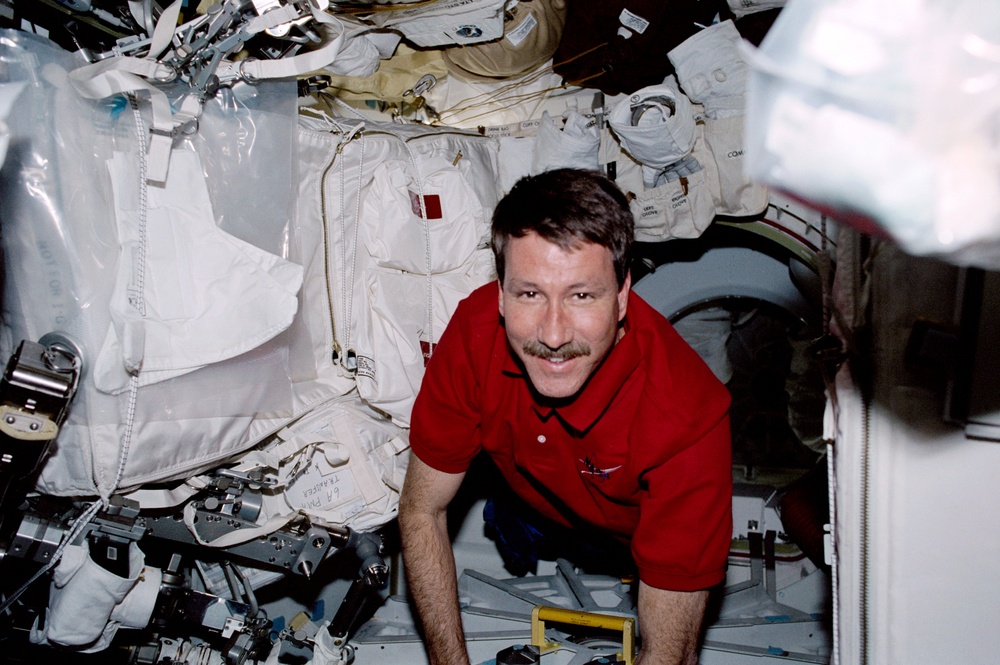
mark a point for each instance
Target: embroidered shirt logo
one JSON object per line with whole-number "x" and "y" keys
{"x": 596, "y": 472}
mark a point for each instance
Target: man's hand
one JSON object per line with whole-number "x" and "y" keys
{"x": 669, "y": 623}
{"x": 429, "y": 561}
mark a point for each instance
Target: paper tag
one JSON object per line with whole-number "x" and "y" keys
{"x": 634, "y": 22}
{"x": 366, "y": 367}
{"x": 322, "y": 488}
{"x": 516, "y": 130}
{"x": 517, "y": 35}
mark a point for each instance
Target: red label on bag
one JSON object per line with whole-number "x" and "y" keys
{"x": 432, "y": 203}
{"x": 426, "y": 349}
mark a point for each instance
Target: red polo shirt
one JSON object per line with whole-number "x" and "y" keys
{"x": 643, "y": 452}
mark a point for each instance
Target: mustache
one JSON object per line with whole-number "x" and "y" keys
{"x": 566, "y": 351}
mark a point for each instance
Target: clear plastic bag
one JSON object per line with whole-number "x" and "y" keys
{"x": 62, "y": 250}
{"x": 887, "y": 115}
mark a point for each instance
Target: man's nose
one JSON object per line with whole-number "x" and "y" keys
{"x": 554, "y": 329}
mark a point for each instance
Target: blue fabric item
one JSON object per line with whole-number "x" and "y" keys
{"x": 523, "y": 536}
{"x": 318, "y": 610}
{"x": 518, "y": 541}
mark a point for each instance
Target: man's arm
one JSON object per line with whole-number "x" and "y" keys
{"x": 669, "y": 623}
{"x": 429, "y": 561}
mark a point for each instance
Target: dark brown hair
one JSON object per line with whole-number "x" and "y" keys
{"x": 566, "y": 207}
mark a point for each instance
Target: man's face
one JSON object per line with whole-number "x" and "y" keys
{"x": 561, "y": 310}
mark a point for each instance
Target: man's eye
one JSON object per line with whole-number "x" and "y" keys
{"x": 529, "y": 294}
{"x": 582, "y": 296}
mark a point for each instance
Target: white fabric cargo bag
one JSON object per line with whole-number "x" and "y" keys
{"x": 406, "y": 211}
{"x": 713, "y": 71}
{"x": 570, "y": 142}
{"x": 655, "y": 126}
{"x": 340, "y": 465}
{"x": 569, "y": 139}
{"x": 446, "y": 23}
{"x": 351, "y": 467}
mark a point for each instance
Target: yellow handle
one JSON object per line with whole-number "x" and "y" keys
{"x": 542, "y": 613}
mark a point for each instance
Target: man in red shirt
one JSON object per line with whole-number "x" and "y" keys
{"x": 590, "y": 404}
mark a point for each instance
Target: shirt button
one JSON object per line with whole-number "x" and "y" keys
{"x": 541, "y": 438}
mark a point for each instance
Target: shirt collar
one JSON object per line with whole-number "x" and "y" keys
{"x": 600, "y": 389}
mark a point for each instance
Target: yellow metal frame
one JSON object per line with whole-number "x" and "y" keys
{"x": 543, "y": 613}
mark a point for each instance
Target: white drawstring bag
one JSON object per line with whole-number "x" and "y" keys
{"x": 83, "y": 597}
{"x": 573, "y": 143}
{"x": 656, "y": 126}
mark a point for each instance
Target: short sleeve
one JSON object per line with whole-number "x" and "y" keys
{"x": 685, "y": 526}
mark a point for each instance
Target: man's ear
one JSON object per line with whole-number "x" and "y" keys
{"x": 623, "y": 296}
{"x": 500, "y": 297}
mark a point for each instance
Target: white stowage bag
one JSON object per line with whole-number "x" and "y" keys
{"x": 436, "y": 235}
{"x": 736, "y": 194}
{"x": 394, "y": 340}
{"x": 713, "y": 71}
{"x": 571, "y": 143}
{"x": 446, "y": 22}
{"x": 88, "y": 604}
{"x": 214, "y": 372}
{"x": 655, "y": 126}
{"x": 352, "y": 470}
{"x": 406, "y": 213}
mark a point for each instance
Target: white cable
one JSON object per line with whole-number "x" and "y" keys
{"x": 139, "y": 301}
{"x": 341, "y": 102}
{"x": 348, "y": 270}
